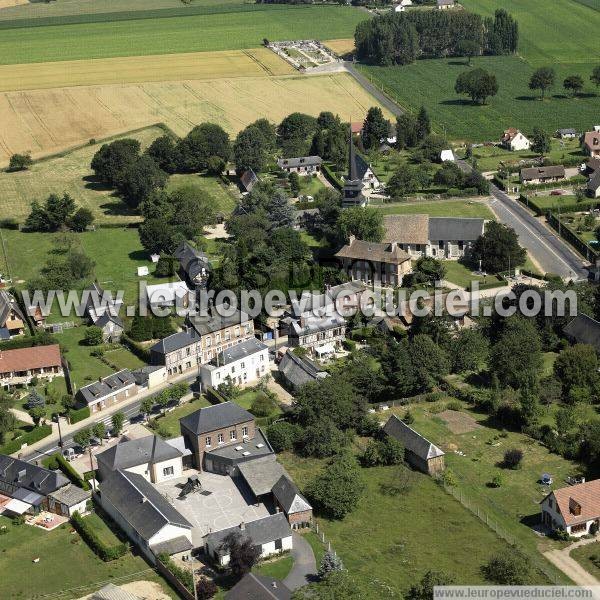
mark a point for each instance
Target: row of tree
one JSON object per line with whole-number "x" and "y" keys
{"x": 58, "y": 212}
{"x": 544, "y": 78}
{"x": 401, "y": 38}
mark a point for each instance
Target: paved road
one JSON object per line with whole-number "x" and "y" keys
{"x": 569, "y": 566}
{"x": 552, "y": 253}
{"x": 305, "y": 567}
{"x": 384, "y": 100}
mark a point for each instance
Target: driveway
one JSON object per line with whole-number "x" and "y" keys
{"x": 305, "y": 568}
{"x": 569, "y": 566}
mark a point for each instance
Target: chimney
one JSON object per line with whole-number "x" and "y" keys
{"x": 242, "y": 526}
{"x": 274, "y": 585}
{"x": 574, "y": 507}
{"x": 351, "y": 239}
{"x": 277, "y": 510}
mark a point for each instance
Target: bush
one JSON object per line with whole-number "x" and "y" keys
{"x": 184, "y": 576}
{"x": 507, "y": 569}
{"x": 349, "y": 345}
{"x": 79, "y": 415}
{"x": 263, "y": 405}
{"x": 496, "y": 481}
{"x": 35, "y": 435}
{"x": 71, "y": 474}
{"x": 106, "y": 553}
{"x": 283, "y": 435}
{"x": 454, "y": 405}
{"x": 513, "y": 458}
{"x": 20, "y": 162}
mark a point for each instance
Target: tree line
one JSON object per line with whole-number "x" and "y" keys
{"x": 402, "y": 38}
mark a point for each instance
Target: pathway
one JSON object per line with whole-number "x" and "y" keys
{"x": 569, "y": 566}
{"x": 23, "y": 416}
{"x": 305, "y": 567}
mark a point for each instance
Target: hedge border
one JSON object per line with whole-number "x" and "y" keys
{"x": 79, "y": 414}
{"x": 106, "y": 553}
{"x": 71, "y": 474}
{"x": 31, "y": 437}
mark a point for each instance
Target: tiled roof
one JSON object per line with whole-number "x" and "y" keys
{"x": 586, "y": 496}
{"x": 8, "y": 304}
{"x": 540, "y": 172}
{"x": 378, "y": 252}
{"x": 258, "y": 587}
{"x": 591, "y": 139}
{"x": 23, "y": 359}
{"x": 212, "y": 418}
{"x": 464, "y": 229}
{"x": 406, "y": 229}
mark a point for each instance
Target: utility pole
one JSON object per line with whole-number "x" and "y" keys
{"x": 60, "y": 441}
{"x": 92, "y": 468}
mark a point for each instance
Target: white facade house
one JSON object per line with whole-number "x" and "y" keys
{"x": 513, "y": 139}
{"x": 68, "y": 500}
{"x": 151, "y": 457}
{"x": 149, "y": 520}
{"x": 271, "y": 534}
{"x": 574, "y": 509}
{"x": 243, "y": 364}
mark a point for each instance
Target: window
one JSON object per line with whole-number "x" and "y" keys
{"x": 461, "y": 245}
{"x": 278, "y": 544}
{"x": 220, "y": 438}
{"x": 441, "y": 244}
{"x": 187, "y": 351}
{"x": 168, "y": 471}
{"x": 237, "y": 332}
{"x": 227, "y": 335}
{"x": 217, "y": 338}
{"x": 232, "y": 435}
{"x": 243, "y": 365}
{"x": 207, "y": 441}
{"x": 550, "y": 503}
{"x": 208, "y": 342}
{"x": 244, "y": 431}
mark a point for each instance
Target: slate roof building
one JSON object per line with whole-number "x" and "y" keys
{"x": 271, "y": 535}
{"x": 112, "y": 328}
{"x": 24, "y": 487}
{"x": 591, "y": 143}
{"x": 534, "y": 175}
{"x": 248, "y": 180}
{"x": 148, "y": 519}
{"x": 296, "y": 371}
{"x": 258, "y": 587}
{"x": 97, "y": 302}
{"x": 222, "y": 436}
{"x": 303, "y": 165}
{"x": 107, "y": 391}
{"x": 293, "y": 504}
{"x": 241, "y": 364}
{"x": 592, "y": 170}
{"x": 374, "y": 263}
{"x": 170, "y": 294}
{"x": 12, "y": 321}
{"x": 420, "y": 452}
{"x": 149, "y": 456}
{"x": 205, "y": 336}
{"x": 583, "y": 330}
{"x": 21, "y": 365}
{"x": 352, "y": 193}
{"x": 262, "y": 474}
{"x": 194, "y": 265}
{"x": 439, "y": 237}
{"x": 68, "y": 500}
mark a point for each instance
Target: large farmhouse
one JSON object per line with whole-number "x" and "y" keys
{"x": 21, "y": 365}
{"x": 439, "y": 237}
{"x": 513, "y": 139}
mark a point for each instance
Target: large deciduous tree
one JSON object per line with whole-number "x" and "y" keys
{"x": 498, "y": 248}
{"x": 542, "y": 79}
{"x": 478, "y": 84}
{"x": 376, "y": 128}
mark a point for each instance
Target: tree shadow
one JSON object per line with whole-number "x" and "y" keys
{"x": 561, "y": 96}
{"x": 458, "y": 63}
{"x": 92, "y": 183}
{"x": 138, "y": 255}
{"x": 528, "y": 98}
{"x": 117, "y": 208}
{"x": 459, "y": 102}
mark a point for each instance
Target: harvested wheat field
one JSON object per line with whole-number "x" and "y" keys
{"x": 70, "y": 173}
{"x": 137, "y": 69}
{"x": 341, "y": 47}
{"x": 7, "y": 3}
{"x": 49, "y": 121}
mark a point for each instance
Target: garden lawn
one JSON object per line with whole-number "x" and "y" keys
{"x": 84, "y": 367}
{"x": 101, "y": 529}
{"x": 554, "y": 202}
{"x": 169, "y": 424}
{"x": 123, "y": 358}
{"x": 431, "y": 82}
{"x": 514, "y": 506}
{"x": 392, "y": 540}
{"x": 461, "y": 275}
{"x": 226, "y": 31}
{"x": 439, "y": 208}
{"x": 225, "y": 199}
{"x": 489, "y": 157}
{"x": 117, "y": 253}
{"x": 309, "y": 186}
{"x": 277, "y": 569}
{"x": 66, "y": 563}
{"x": 588, "y": 557}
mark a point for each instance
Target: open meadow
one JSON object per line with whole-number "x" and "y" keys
{"x": 566, "y": 38}
{"x": 439, "y": 208}
{"x": 49, "y": 121}
{"x": 193, "y": 33}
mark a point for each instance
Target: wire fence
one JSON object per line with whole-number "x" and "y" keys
{"x": 539, "y": 563}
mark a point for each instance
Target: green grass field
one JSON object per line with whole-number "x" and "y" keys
{"x": 277, "y": 569}
{"x": 226, "y": 31}
{"x": 457, "y": 273}
{"x": 588, "y": 557}
{"x": 431, "y": 83}
{"x": 393, "y": 540}
{"x": 489, "y": 157}
{"x": 225, "y": 198}
{"x": 515, "y": 504}
{"x": 567, "y": 33}
{"x": 169, "y": 424}
{"x": 71, "y": 174}
{"x": 66, "y": 564}
{"x": 439, "y": 208}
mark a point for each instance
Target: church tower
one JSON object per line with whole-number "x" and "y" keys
{"x": 352, "y": 193}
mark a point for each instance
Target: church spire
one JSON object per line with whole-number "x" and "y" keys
{"x": 352, "y": 168}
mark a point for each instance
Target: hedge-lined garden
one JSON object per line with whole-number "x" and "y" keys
{"x": 104, "y": 551}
